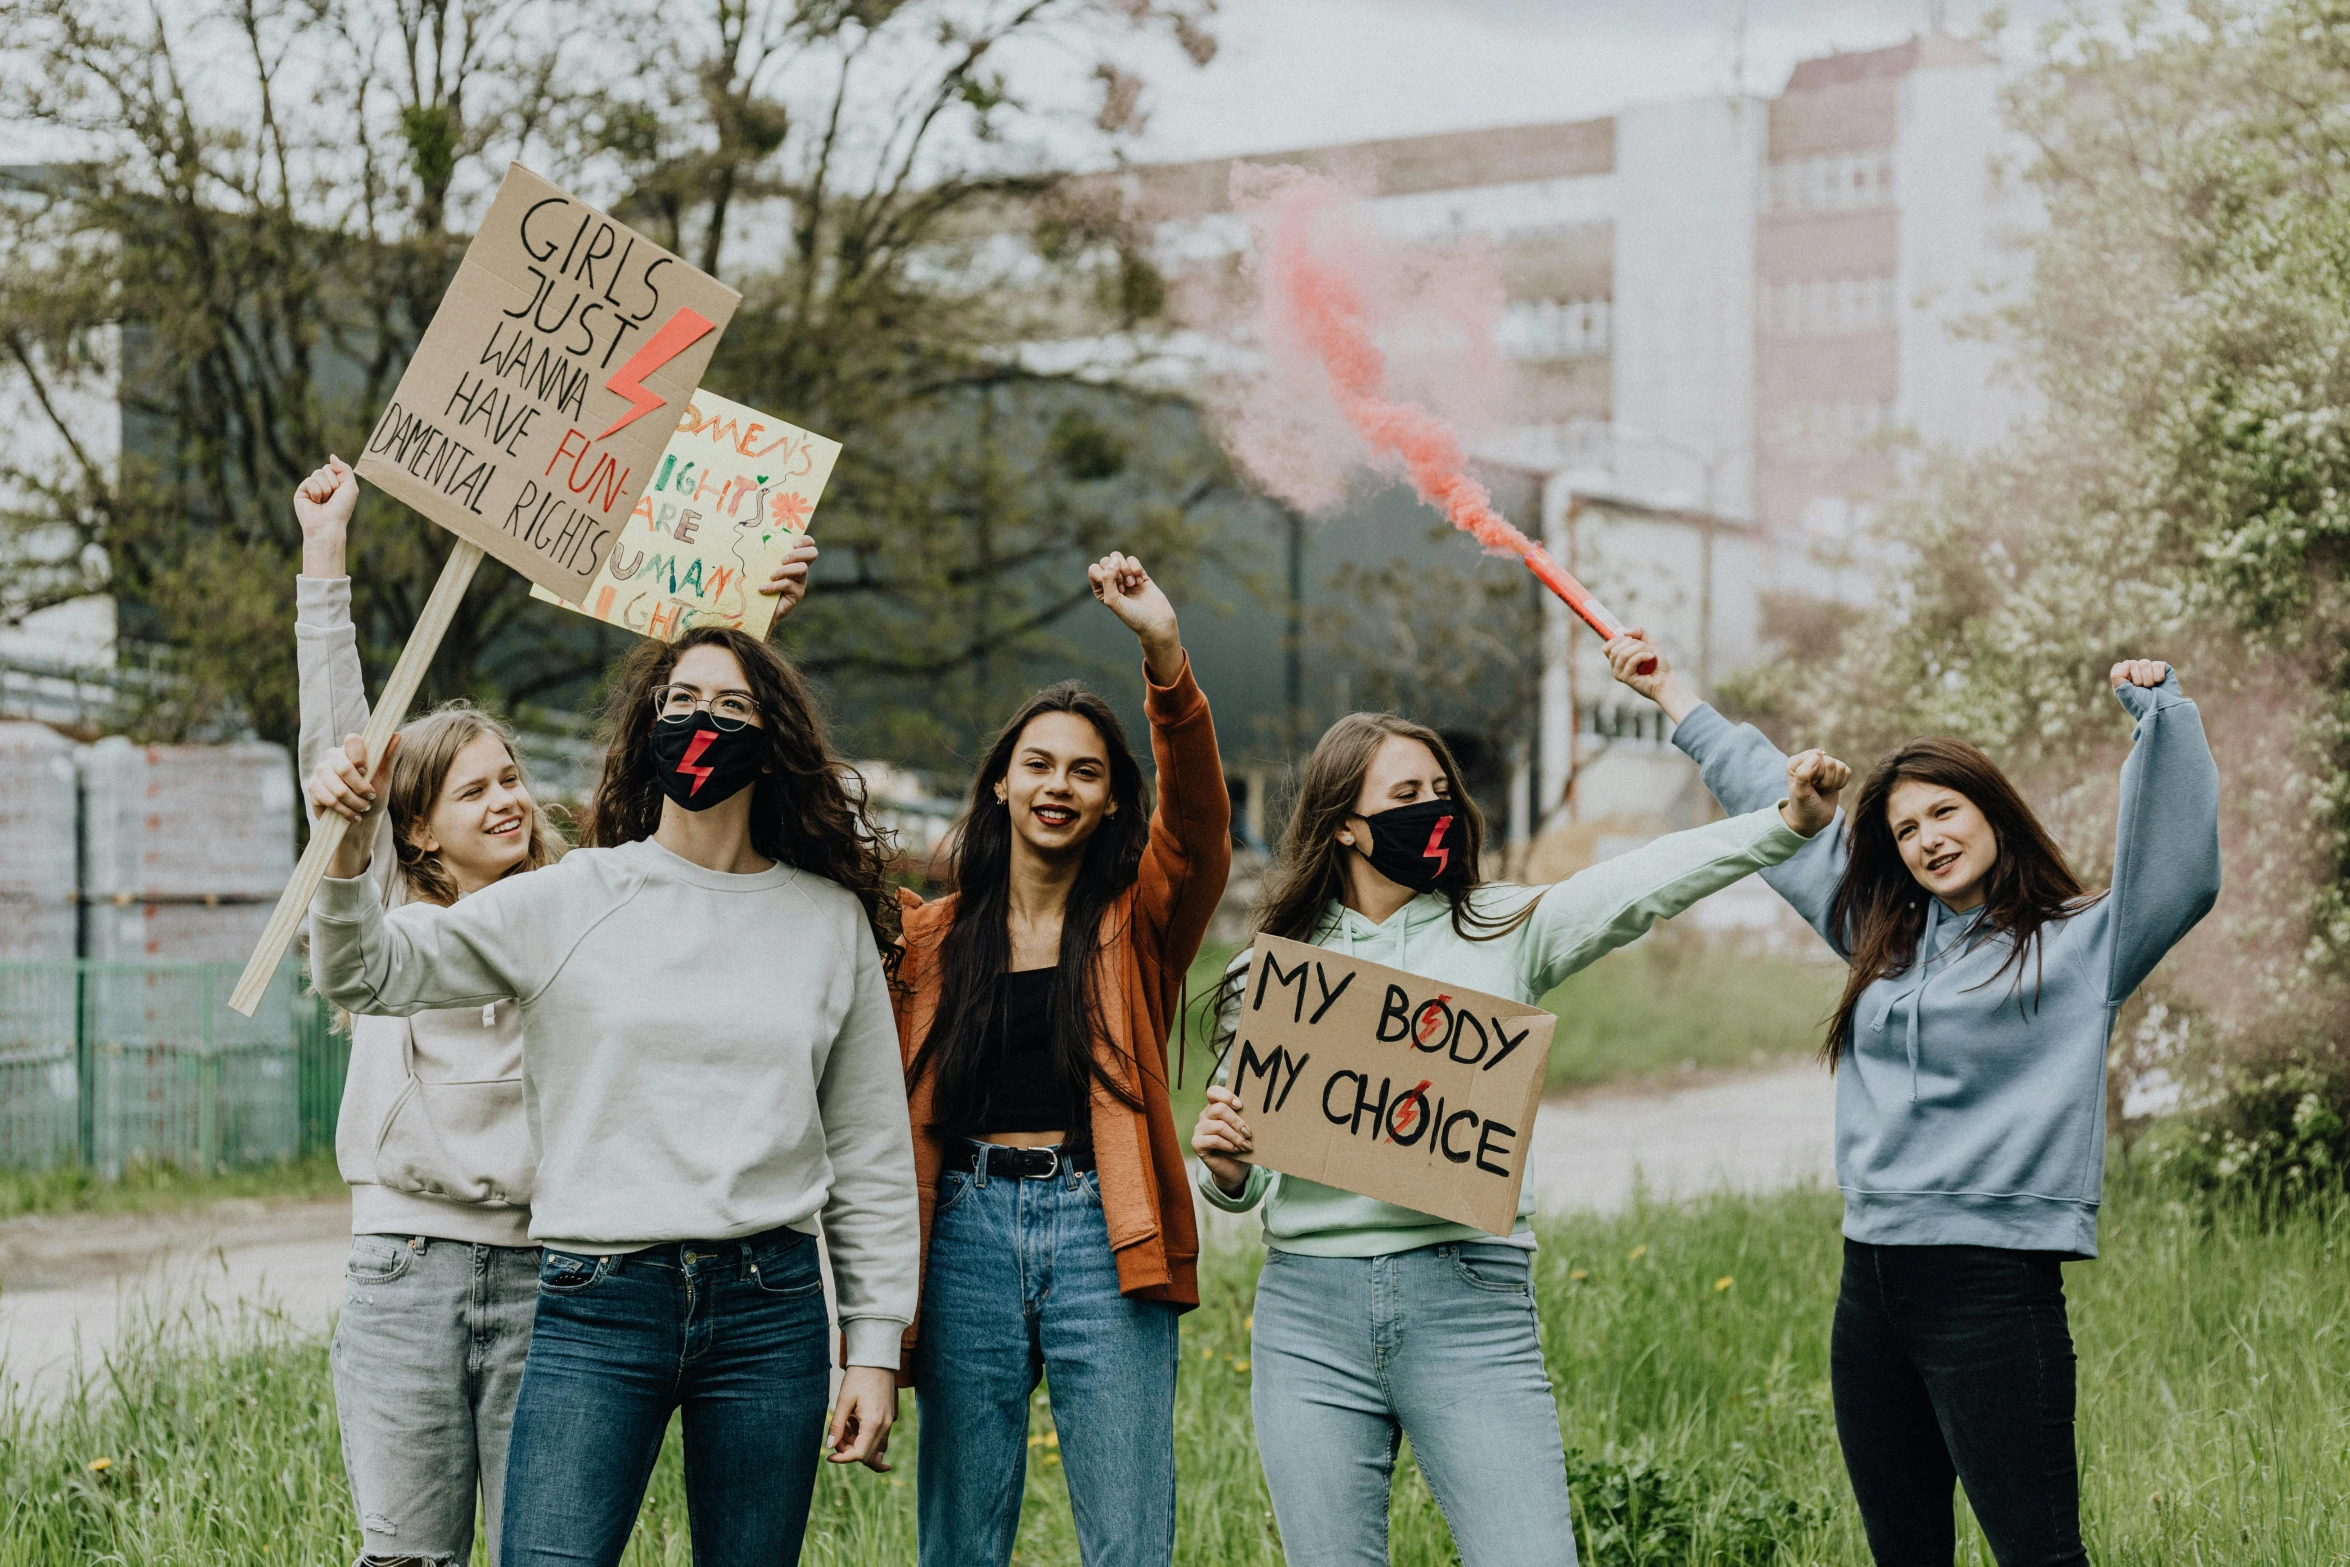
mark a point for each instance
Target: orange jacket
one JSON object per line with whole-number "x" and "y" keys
{"x": 1149, "y": 938}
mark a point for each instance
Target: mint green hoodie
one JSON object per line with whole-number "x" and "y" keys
{"x": 1577, "y": 920}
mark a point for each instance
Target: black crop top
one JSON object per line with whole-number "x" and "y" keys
{"x": 1025, "y": 1090}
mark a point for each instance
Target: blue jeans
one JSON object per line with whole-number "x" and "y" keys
{"x": 735, "y": 1334}
{"x": 1022, "y": 1284}
{"x": 1438, "y": 1344}
{"x": 427, "y": 1356}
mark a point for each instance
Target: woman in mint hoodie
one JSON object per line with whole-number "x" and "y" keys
{"x": 1374, "y": 1322}
{"x": 1969, "y": 1049}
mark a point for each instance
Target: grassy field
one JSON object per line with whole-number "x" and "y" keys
{"x": 155, "y": 1188}
{"x": 1688, "y": 1348}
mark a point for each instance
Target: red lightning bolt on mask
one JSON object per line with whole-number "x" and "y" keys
{"x": 677, "y": 334}
{"x": 1436, "y": 850}
{"x": 702, "y": 741}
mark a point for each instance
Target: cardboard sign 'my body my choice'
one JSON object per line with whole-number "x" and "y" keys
{"x": 733, "y": 493}
{"x": 1388, "y": 1084}
{"x": 522, "y": 423}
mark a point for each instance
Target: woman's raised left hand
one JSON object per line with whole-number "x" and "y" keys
{"x": 1120, "y": 582}
{"x": 2148, "y": 672}
{"x": 789, "y": 584}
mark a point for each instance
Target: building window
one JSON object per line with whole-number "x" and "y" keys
{"x": 1828, "y": 307}
{"x": 1833, "y": 182}
{"x": 1830, "y": 429}
{"x": 1540, "y": 330}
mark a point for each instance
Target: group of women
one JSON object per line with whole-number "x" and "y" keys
{"x": 599, "y": 1112}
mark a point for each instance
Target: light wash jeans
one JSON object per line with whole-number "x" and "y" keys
{"x": 730, "y": 1335}
{"x": 1021, "y": 1283}
{"x": 1438, "y": 1344}
{"x": 427, "y": 1358}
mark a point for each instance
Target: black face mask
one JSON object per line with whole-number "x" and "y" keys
{"x": 1419, "y": 846}
{"x": 699, "y": 764}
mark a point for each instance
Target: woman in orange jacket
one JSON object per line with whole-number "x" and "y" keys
{"x": 1056, "y": 1210}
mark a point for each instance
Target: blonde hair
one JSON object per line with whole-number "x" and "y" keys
{"x": 428, "y": 749}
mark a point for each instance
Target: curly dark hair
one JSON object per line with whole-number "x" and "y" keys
{"x": 808, "y": 810}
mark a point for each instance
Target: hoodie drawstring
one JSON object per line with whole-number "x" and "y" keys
{"x": 1915, "y": 995}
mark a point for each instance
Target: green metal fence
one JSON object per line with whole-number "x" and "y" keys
{"x": 109, "y": 1064}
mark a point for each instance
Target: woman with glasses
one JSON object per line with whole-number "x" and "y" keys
{"x": 1034, "y": 1016}
{"x": 710, "y": 1070}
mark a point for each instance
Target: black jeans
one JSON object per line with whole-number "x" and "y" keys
{"x": 1955, "y": 1363}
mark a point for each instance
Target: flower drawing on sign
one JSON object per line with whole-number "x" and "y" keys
{"x": 792, "y": 509}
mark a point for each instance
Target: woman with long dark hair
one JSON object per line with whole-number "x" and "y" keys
{"x": 710, "y": 1070}
{"x": 1969, "y": 1047}
{"x": 1374, "y": 1323}
{"x": 1056, "y": 1208}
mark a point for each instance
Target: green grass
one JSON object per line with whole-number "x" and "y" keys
{"x": 155, "y": 1188}
{"x": 1667, "y": 1003}
{"x": 2214, "y": 1349}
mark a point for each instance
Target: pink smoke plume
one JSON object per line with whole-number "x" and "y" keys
{"x": 1330, "y": 285}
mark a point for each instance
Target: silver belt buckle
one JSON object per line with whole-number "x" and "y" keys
{"x": 1056, "y": 1169}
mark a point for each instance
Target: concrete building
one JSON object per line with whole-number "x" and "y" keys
{"x": 1729, "y": 316}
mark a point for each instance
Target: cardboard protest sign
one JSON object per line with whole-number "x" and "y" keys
{"x": 521, "y": 424}
{"x": 732, "y": 494}
{"x": 1388, "y": 1084}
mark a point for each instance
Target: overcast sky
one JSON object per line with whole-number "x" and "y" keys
{"x": 1302, "y": 73}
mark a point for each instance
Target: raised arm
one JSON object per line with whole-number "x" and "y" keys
{"x": 480, "y": 949}
{"x": 1742, "y": 770}
{"x": 1190, "y": 851}
{"x": 2166, "y": 870}
{"x": 1616, "y": 901}
{"x": 332, "y": 688}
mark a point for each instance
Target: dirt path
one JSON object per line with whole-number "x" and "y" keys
{"x": 76, "y": 1284}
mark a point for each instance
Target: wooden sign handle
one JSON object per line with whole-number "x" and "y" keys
{"x": 326, "y": 833}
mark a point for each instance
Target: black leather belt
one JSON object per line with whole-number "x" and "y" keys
{"x": 1019, "y": 1164}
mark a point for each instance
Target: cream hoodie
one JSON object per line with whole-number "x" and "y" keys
{"x": 432, "y": 1136}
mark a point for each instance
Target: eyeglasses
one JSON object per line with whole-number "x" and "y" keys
{"x": 728, "y": 709}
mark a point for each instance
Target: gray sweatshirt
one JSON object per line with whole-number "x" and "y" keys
{"x": 431, "y": 1134}
{"x": 1970, "y": 1109}
{"x": 705, "y": 1055}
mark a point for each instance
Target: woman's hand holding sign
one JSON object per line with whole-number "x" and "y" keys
{"x": 1221, "y": 1140}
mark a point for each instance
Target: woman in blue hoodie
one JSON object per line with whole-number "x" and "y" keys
{"x": 1969, "y": 1048}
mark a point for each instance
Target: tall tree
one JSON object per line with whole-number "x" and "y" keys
{"x": 269, "y": 197}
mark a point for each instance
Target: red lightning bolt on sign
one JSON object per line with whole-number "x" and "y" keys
{"x": 678, "y": 333}
{"x": 1431, "y": 1018}
{"x": 1397, "y": 1127}
{"x": 702, "y": 740}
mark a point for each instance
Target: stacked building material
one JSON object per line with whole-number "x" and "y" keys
{"x": 39, "y": 1121}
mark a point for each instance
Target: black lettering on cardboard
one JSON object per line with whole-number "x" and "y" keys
{"x": 1340, "y": 1120}
{"x": 1486, "y": 1145}
{"x": 1329, "y": 996}
{"x": 1419, "y": 1121}
{"x": 1397, "y": 1009}
{"x": 1457, "y": 1155}
{"x": 1272, "y": 975}
{"x": 1297, "y": 1068}
{"x": 1509, "y": 1042}
{"x": 1266, "y": 1067}
{"x": 1465, "y": 1019}
{"x": 1436, "y": 1038}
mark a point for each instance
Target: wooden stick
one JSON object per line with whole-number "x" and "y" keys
{"x": 326, "y": 833}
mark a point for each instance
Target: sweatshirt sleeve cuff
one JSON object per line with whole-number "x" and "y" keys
{"x": 1175, "y": 701}
{"x": 1779, "y": 841}
{"x": 1250, "y": 1194}
{"x": 322, "y": 603}
{"x": 872, "y": 1341}
{"x": 345, "y": 902}
{"x": 1703, "y": 726}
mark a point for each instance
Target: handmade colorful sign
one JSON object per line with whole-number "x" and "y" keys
{"x": 730, "y": 497}
{"x": 521, "y": 422}
{"x": 1388, "y": 1084}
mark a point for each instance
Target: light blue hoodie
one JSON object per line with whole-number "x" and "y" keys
{"x": 1970, "y": 1110}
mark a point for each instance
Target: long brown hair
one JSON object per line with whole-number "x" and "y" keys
{"x": 977, "y": 948}
{"x": 1879, "y": 906}
{"x": 1308, "y": 873}
{"x": 420, "y": 770}
{"x": 804, "y": 811}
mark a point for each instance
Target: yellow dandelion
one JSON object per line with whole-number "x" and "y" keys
{"x": 1052, "y": 1439}
{"x": 1248, "y": 1324}
{"x": 1578, "y": 1275}
{"x": 1036, "y": 1441}
{"x": 1208, "y": 1353}
{"x": 1052, "y": 1458}
{"x": 1240, "y": 1365}
{"x": 1722, "y": 1283}
{"x": 1637, "y": 1253}
{"x": 101, "y": 1465}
